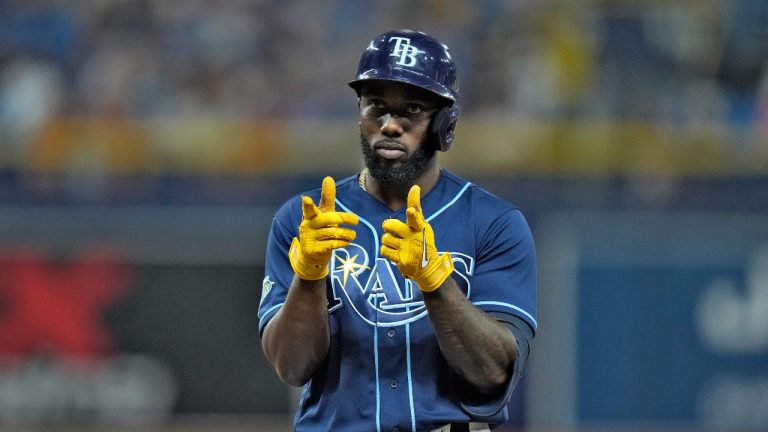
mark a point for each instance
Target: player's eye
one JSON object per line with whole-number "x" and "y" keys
{"x": 414, "y": 109}
{"x": 376, "y": 104}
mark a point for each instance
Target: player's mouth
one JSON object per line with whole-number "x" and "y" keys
{"x": 389, "y": 149}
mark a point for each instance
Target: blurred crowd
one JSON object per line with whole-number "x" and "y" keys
{"x": 692, "y": 61}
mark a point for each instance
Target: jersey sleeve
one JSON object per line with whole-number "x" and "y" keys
{"x": 483, "y": 408}
{"x": 277, "y": 268}
{"x": 504, "y": 286}
{"x": 504, "y": 279}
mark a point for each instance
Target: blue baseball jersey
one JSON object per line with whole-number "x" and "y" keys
{"x": 385, "y": 369}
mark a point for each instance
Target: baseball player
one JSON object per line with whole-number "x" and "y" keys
{"x": 402, "y": 298}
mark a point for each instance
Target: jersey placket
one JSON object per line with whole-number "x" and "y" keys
{"x": 393, "y": 378}
{"x": 394, "y": 372}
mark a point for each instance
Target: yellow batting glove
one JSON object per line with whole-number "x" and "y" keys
{"x": 411, "y": 246}
{"x": 320, "y": 234}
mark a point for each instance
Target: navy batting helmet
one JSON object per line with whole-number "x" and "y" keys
{"x": 417, "y": 59}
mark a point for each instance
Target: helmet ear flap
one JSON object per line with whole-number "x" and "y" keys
{"x": 443, "y": 127}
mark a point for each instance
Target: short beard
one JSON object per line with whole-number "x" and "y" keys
{"x": 403, "y": 175}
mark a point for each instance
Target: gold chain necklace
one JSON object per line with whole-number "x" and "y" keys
{"x": 362, "y": 178}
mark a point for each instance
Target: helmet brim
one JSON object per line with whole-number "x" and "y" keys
{"x": 404, "y": 76}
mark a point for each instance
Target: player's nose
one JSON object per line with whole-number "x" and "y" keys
{"x": 391, "y": 125}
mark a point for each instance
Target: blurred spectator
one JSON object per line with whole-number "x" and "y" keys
{"x": 685, "y": 62}
{"x": 744, "y": 57}
{"x": 31, "y": 92}
{"x": 39, "y": 29}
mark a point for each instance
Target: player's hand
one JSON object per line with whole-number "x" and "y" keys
{"x": 320, "y": 234}
{"x": 411, "y": 246}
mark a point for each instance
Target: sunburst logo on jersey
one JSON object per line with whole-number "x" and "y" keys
{"x": 348, "y": 266}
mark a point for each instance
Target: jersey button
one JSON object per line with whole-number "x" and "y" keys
{"x": 391, "y": 332}
{"x": 393, "y": 383}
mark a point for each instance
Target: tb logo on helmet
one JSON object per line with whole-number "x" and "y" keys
{"x": 404, "y": 50}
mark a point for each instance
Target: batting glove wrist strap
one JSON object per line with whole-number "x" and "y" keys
{"x": 436, "y": 273}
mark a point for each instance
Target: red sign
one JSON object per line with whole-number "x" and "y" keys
{"x": 56, "y": 308}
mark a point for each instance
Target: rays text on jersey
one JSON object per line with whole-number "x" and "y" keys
{"x": 377, "y": 291}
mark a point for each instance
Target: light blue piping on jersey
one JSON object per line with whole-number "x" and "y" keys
{"x": 410, "y": 378}
{"x": 266, "y": 314}
{"x": 376, "y": 364}
{"x": 408, "y": 325}
{"x": 461, "y": 192}
{"x": 495, "y": 303}
{"x": 302, "y": 399}
{"x": 450, "y": 203}
{"x": 368, "y": 224}
{"x": 375, "y": 327}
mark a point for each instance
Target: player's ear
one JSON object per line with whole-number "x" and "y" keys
{"x": 359, "y": 123}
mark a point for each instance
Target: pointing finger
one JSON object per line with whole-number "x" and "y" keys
{"x": 328, "y": 195}
{"x": 413, "y": 214}
{"x": 414, "y": 198}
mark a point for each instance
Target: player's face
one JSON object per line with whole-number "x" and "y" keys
{"x": 394, "y": 130}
